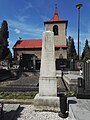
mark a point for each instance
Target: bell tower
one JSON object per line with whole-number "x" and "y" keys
{"x": 59, "y": 27}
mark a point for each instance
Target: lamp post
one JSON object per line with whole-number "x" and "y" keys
{"x": 78, "y": 6}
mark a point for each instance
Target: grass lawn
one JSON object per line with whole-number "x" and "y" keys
{"x": 24, "y": 95}
{"x": 17, "y": 95}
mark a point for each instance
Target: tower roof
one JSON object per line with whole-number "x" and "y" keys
{"x": 56, "y": 16}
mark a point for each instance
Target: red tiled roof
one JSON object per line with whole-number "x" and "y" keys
{"x": 28, "y": 44}
{"x": 21, "y": 44}
{"x": 56, "y": 17}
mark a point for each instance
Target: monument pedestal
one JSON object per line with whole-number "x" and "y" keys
{"x": 47, "y": 103}
{"x": 47, "y": 98}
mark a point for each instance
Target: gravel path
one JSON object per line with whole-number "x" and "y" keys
{"x": 27, "y": 112}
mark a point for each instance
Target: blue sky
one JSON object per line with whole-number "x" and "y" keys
{"x": 25, "y": 18}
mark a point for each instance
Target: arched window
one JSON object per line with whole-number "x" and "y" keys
{"x": 55, "y": 29}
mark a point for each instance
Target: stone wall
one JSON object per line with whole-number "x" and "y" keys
{"x": 18, "y": 53}
{"x": 37, "y": 52}
{"x": 64, "y": 53}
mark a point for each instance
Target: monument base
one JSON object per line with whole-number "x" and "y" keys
{"x": 47, "y": 103}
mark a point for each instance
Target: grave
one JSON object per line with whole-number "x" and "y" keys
{"x": 47, "y": 98}
{"x": 83, "y": 89}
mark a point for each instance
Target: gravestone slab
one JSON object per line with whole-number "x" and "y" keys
{"x": 83, "y": 90}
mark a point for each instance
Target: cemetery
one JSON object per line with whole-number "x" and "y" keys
{"x": 52, "y": 86}
{"x": 42, "y": 82}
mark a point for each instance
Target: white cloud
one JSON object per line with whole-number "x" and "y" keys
{"x": 17, "y": 31}
{"x": 22, "y": 18}
{"x": 27, "y": 5}
{"x": 25, "y": 28}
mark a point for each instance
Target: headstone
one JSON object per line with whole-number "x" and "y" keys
{"x": 86, "y": 75}
{"x": 83, "y": 90}
{"x": 47, "y": 96}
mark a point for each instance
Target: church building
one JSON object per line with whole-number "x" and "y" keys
{"x": 33, "y": 47}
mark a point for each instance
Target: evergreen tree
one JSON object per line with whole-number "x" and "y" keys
{"x": 1, "y": 46}
{"x": 4, "y": 35}
{"x": 86, "y": 52}
{"x": 71, "y": 51}
{"x": 4, "y": 32}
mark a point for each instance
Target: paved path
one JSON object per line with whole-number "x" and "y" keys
{"x": 79, "y": 109}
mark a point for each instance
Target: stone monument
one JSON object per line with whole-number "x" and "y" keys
{"x": 47, "y": 98}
